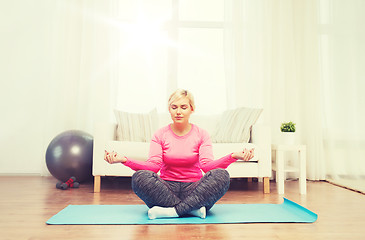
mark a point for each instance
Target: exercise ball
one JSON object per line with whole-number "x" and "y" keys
{"x": 70, "y": 154}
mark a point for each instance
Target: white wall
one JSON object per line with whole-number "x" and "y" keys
{"x": 25, "y": 69}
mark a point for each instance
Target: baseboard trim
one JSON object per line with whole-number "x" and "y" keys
{"x": 346, "y": 187}
{"x": 21, "y": 174}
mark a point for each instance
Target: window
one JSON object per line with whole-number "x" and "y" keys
{"x": 168, "y": 44}
{"x": 140, "y": 56}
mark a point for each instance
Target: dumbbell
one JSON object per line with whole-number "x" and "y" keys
{"x": 70, "y": 183}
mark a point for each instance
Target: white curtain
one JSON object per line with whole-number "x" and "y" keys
{"x": 275, "y": 55}
{"x": 342, "y": 39}
{"x": 78, "y": 90}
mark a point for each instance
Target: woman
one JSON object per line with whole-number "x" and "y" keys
{"x": 180, "y": 151}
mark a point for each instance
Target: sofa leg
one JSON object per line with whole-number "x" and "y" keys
{"x": 97, "y": 181}
{"x": 266, "y": 185}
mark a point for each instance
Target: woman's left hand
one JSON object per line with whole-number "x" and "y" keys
{"x": 245, "y": 155}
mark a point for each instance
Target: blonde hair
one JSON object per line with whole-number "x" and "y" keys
{"x": 180, "y": 93}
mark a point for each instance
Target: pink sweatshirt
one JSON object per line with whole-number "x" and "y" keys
{"x": 180, "y": 158}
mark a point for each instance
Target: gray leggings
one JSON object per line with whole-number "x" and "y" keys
{"x": 184, "y": 196}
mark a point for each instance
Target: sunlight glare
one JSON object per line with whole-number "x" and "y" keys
{"x": 145, "y": 35}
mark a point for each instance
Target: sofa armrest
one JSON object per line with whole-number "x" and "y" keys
{"x": 103, "y": 133}
{"x": 261, "y": 137}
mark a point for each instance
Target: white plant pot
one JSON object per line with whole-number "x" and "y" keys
{"x": 288, "y": 138}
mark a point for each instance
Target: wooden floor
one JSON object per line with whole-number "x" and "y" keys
{"x": 26, "y": 203}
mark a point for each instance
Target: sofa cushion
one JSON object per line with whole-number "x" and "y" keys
{"x": 133, "y": 150}
{"x": 235, "y": 125}
{"x": 137, "y": 127}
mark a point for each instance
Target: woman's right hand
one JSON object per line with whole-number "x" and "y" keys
{"x": 245, "y": 155}
{"x": 114, "y": 157}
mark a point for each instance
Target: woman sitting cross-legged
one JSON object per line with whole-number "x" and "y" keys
{"x": 180, "y": 151}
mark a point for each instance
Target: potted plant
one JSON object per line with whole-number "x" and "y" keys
{"x": 288, "y": 132}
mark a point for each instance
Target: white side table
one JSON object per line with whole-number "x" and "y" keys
{"x": 278, "y": 166}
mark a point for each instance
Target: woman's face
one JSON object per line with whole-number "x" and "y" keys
{"x": 180, "y": 110}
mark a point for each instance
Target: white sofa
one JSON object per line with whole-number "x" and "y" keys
{"x": 258, "y": 167}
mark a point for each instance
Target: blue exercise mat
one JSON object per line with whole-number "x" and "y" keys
{"x": 287, "y": 212}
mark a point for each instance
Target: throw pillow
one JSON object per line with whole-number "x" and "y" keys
{"x": 235, "y": 125}
{"x": 136, "y": 127}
